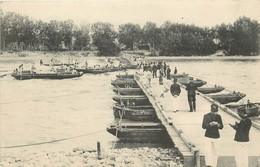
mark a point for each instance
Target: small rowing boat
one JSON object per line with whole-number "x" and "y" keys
{"x": 139, "y": 131}
{"x": 136, "y": 113}
{"x": 179, "y": 75}
{"x": 125, "y": 83}
{"x": 227, "y": 98}
{"x": 185, "y": 81}
{"x": 128, "y": 91}
{"x": 252, "y": 109}
{"x": 132, "y": 100}
{"x": 208, "y": 90}
{"x": 125, "y": 76}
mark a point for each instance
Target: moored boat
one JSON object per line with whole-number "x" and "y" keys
{"x": 128, "y": 91}
{"x": 59, "y": 64}
{"x": 137, "y": 113}
{"x": 45, "y": 75}
{"x": 179, "y": 75}
{"x": 125, "y": 83}
{"x": 251, "y": 109}
{"x": 139, "y": 131}
{"x": 227, "y": 98}
{"x": 26, "y": 74}
{"x": 125, "y": 76}
{"x": 208, "y": 90}
{"x": 185, "y": 81}
{"x": 132, "y": 100}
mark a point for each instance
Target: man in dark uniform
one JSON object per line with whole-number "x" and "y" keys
{"x": 191, "y": 89}
{"x": 242, "y": 137}
{"x": 212, "y": 122}
{"x": 154, "y": 68}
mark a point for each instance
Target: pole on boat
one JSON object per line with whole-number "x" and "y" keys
{"x": 98, "y": 150}
{"x": 197, "y": 156}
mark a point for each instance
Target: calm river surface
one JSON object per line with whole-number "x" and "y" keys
{"x": 38, "y": 110}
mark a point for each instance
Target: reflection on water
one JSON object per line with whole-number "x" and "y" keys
{"x": 39, "y": 110}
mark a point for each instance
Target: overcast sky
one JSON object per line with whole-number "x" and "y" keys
{"x": 198, "y": 12}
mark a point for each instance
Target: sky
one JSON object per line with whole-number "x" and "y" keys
{"x": 203, "y": 13}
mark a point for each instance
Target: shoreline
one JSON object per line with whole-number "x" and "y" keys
{"x": 79, "y": 156}
{"x": 82, "y": 54}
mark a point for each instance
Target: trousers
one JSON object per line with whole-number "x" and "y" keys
{"x": 211, "y": 151}
{"x": 192, "y": 102}
{"x": 241, "y": 154}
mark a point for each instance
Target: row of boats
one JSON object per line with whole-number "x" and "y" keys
{"x": 62, "y": 73}
{"x": 252, "y": 109}
{"x": 135, "y": 117}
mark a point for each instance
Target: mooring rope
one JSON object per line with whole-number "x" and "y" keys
{"x": 52, "y": 141}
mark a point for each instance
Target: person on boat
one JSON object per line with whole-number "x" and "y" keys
{"x": 191, "y": 90}
{"x": 168, "y": 72}
{"x": 86, "y": 64}
{"x": 33, "y": 68}
{"x": 175, "y": 91}
{"x": 175, "y": 70}
{"x": 21, "y": 69}
{"x": 242, "y": 138}
{"x": 161, "y": 76}
{"x": 154, "y": 68}
{"x": 164, "y": 68}
{"x": 212, "y": 122}
{"x": 41, "y": 62}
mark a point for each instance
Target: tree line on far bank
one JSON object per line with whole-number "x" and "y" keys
{"x": 170, "y": 39}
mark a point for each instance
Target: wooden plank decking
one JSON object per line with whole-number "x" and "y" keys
{"x": 185, "y": 128}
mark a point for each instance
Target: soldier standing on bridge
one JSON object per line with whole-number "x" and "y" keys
{"x": 191, "y": 88}
{"x": 242, "y": 137}
{"x": 175, "y": 91}
{"x": 212, "y": 122}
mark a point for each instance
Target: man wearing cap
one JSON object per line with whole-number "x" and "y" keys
{"x": 191, "y": 89}
{"x": 242, "y": 137}
{"x": 175, "y": 91}
{"x": 212, "y": 122}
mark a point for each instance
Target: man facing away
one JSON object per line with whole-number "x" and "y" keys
{"x": 212, "y": 122}
{"x": 175, "y": 91}
{"x": 242, "y": 138}
{"x": 191, "y": 89}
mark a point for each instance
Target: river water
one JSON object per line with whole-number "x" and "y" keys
{"x": 38, "y": 111}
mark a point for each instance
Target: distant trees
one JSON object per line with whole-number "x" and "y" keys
{"x": 170, "y": 39}
{"x": 81, "y": 37}
{"x": 128, "y": 34}
{"x": 104, "y": 36}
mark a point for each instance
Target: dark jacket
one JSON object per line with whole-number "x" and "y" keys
{"x": 212, "y": 131}
{"x": 242, "y": 130}
{"x": 175, "y": 89}
{"x": 191, "y": 87}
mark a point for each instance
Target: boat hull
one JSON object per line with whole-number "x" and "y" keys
{"x": 125, "y": 83}
{"x": 125, "y": 76}
{"x": 251, "y": 109}
{"x": 227, "y": 98}
{"x": 209, "y": 90}
{"x": 128, "y": 91}
{"x": 132, "y": 100}
{"x": 45, "y": 76}
{"x": 139, "y": 132}
{"x": 136, "y": 114}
